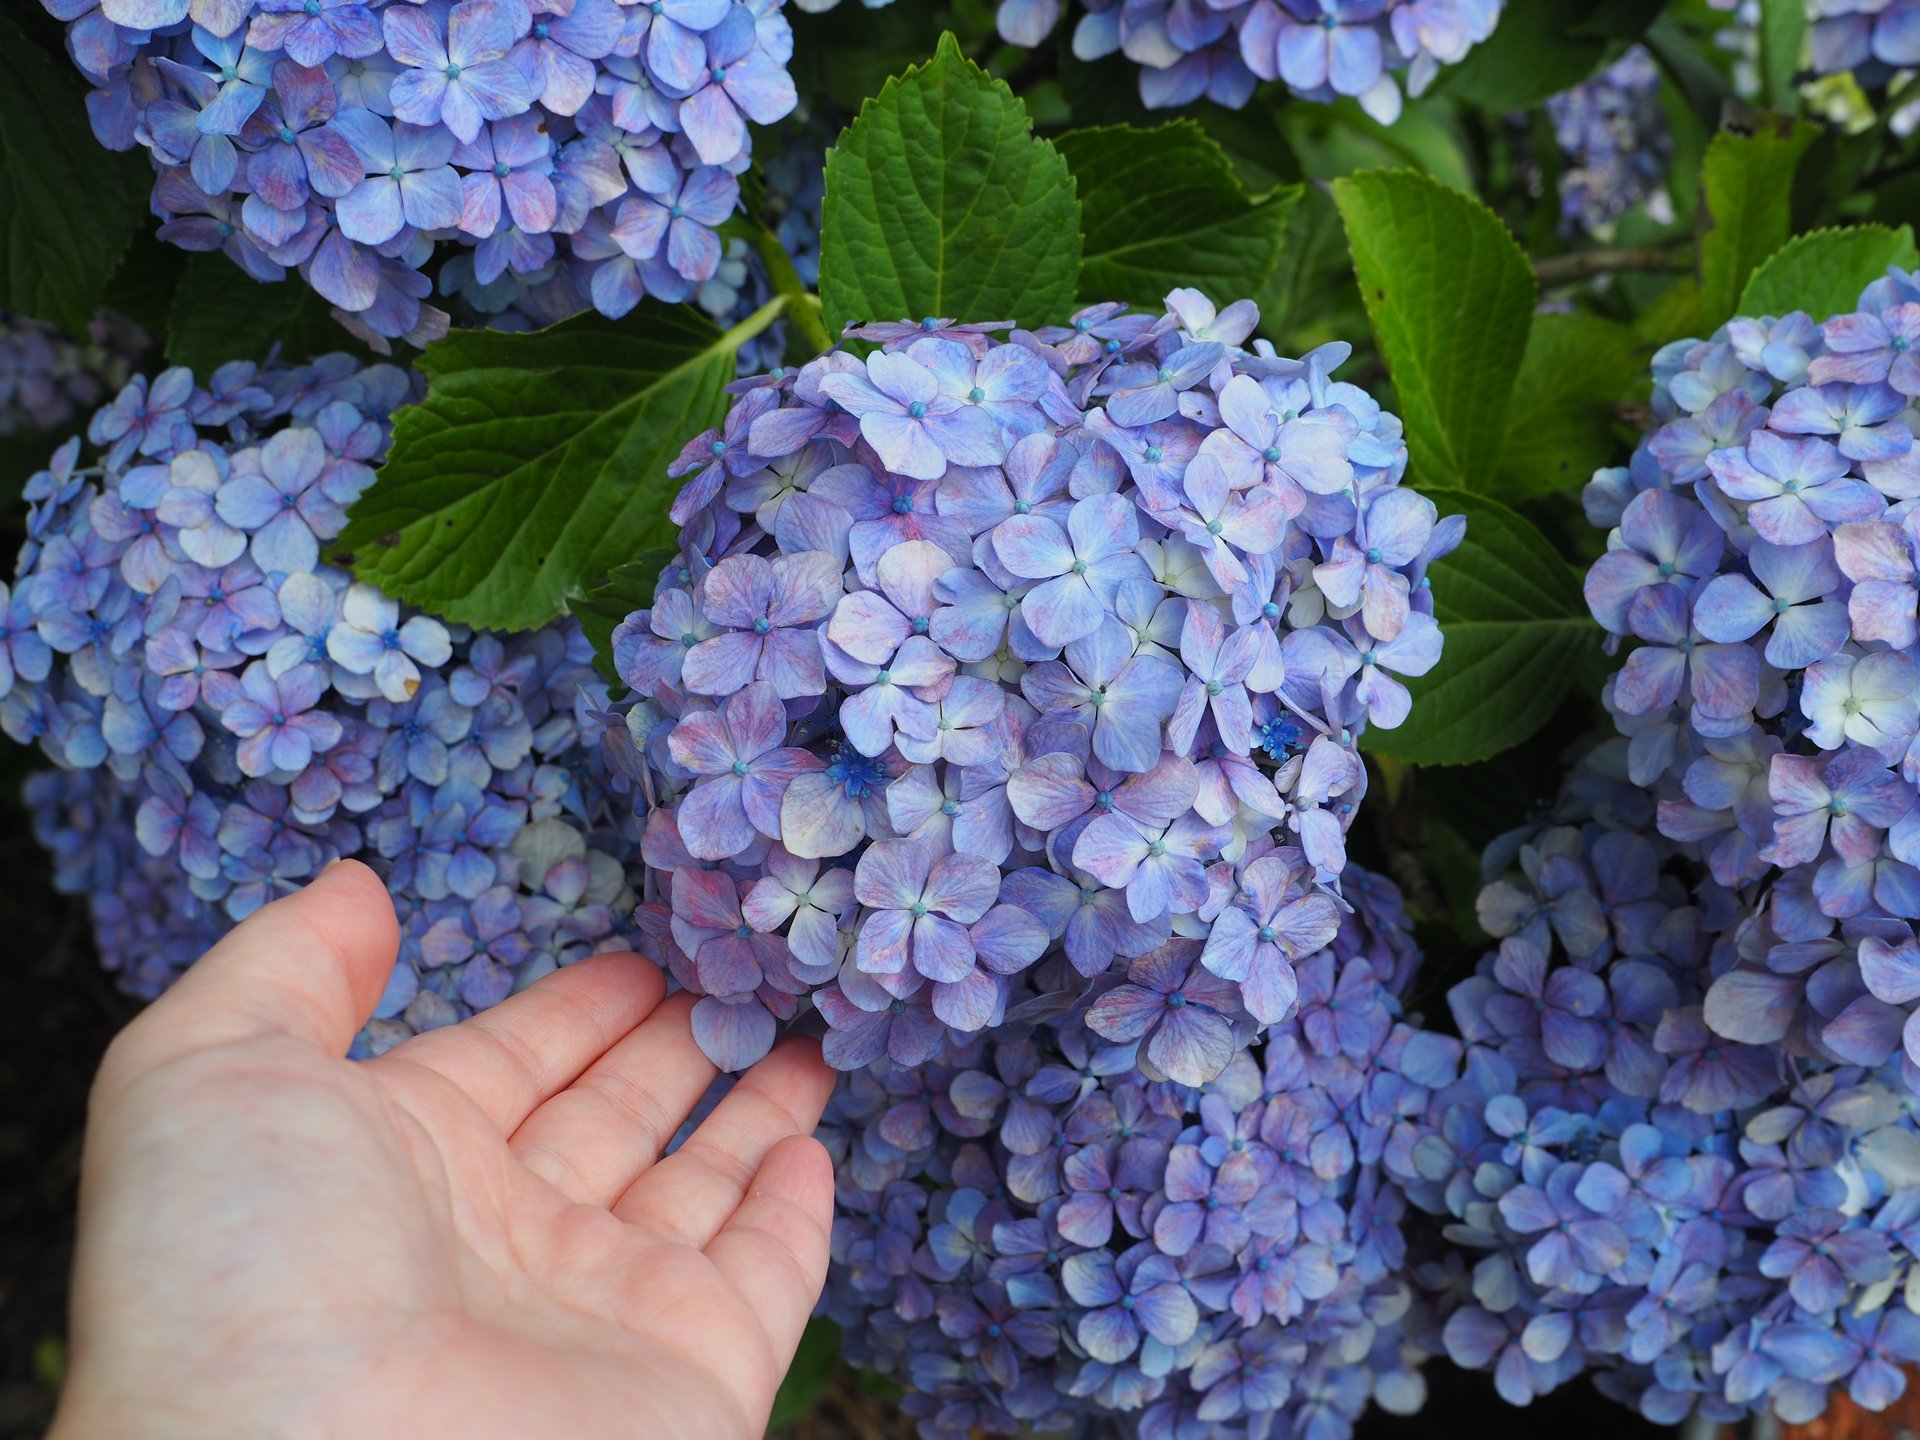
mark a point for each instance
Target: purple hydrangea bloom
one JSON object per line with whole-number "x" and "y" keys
{"x": 1001, "y": 670}
{"x": 596, "y": 143}
{"x": 231, "y": 714}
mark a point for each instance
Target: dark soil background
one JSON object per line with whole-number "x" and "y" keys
{"x": 58, "y": 1009}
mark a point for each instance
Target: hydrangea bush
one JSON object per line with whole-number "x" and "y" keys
{"x": 1761, "y": 556}
{"x": 1031, "y": 1231}
{"x": 230, "y": 713}
{"x": 991, "y": 662}
{"x": 543, "y": 156}
{"x": 1030, "y": 704}
{"x": 1320, "y": 50}
{"x": 1614, "y": 144}
{"x": 47, "y": 379}
{"x": 1709, "y": 1226}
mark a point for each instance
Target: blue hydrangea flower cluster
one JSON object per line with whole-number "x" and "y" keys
{"x": 1319, "y": 49}
{"x": 1031, "y": 1232}
{"x": 982, "y": 651}
{"x": 571, "y": 153}
{"x": 229, "y": 713}
{"x": 46, "y": 379}
{"x": 1615, "y": 145}
{"x": 1709, "y": 1226}
{"x": 1761, "y": 560}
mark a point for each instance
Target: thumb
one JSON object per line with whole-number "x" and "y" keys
{"x": 311, "y": 966}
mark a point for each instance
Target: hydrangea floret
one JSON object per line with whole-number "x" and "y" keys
{"x": 544, "y": 156}
{"x": 229, "y": 713}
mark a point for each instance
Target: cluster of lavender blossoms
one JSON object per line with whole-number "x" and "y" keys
{"x": 1615, "y": 146}
{"x": 1869, "y": 38}
{"x": 1711, "y": 1227}
{"x": 579, "y": 153}
{"x": 989, "y": 665}
{"x": 1682, "y": 1150}
{"x": 1222, "y": 49}
{"x": 229, "y": 713}
{"x": 1762, "y": 560}
{"x": 46, "y": 379}
{"x": 1032, "y": 1232}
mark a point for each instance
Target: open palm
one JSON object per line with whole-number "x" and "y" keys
{"x": 472, "y": 1235}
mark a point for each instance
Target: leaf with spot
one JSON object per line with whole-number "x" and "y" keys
{"x": 940, "y": 201}
{"x": 1517, "y": 633}
{"x": 537, "y": 463}
{"x": 1450, "y": 295}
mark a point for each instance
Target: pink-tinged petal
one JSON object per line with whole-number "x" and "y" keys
{"x": 1050, "y": 790}
{"x": 1110, "y": 849}
{"x": 941, "y": 949}
{"x": 1161, "y": 795}
{"x": 1650, "y": 680}
{"x": 734, "y": 1033}
{"x": 867, "y": 627}
{"x": 1270, "y": 990}
{"x": 1007, "y": 939}
{"x": 722, "y": 665}
{"x": 969, "y": 1004}
{"x": 817, "y": 821}
{"x": 712, "y": 820}
{"x": 1032, "y": 547}
{"x": 892, "y": 874}
{"x": 882, "y": 946}
{"x": 807, "y": 586}
{"x": 705, "y": 899}
{"x": 700, "y": 742}
{"x": 961, "y": 887}
{"x": 1191, "y": 1046}
{"x": 738, "y": 591}
{"x": 790, "y": 661}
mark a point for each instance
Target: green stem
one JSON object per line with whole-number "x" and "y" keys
{"x": 758, "y": 321}
{"x": 803, "y": 306}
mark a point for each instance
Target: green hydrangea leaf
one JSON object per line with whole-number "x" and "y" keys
{"x": 1517, "y": 634}
{"x": 1747, "y": 193}
{"x": 814, "y": 1365}
{"x": 1823, "y": 273}
{"x": 1163, "y": 208}
{"x": 940, "y": 201}
{"x": 1541, "y": 49}
{"x": 537, "y": 463}
{"x": 1565, "y": 420}
{"x": 601, "y": 609}
{"x": 1783, "y": 39}
{"x": 68, "y": 208}
{"x": 1450, "y": 295}
{"x": 219, "y": 314}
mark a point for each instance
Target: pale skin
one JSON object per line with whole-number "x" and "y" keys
{"x": 474, "y": 1235}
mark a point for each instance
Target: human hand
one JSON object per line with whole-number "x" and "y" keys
{"x": 472, "y": 1235}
